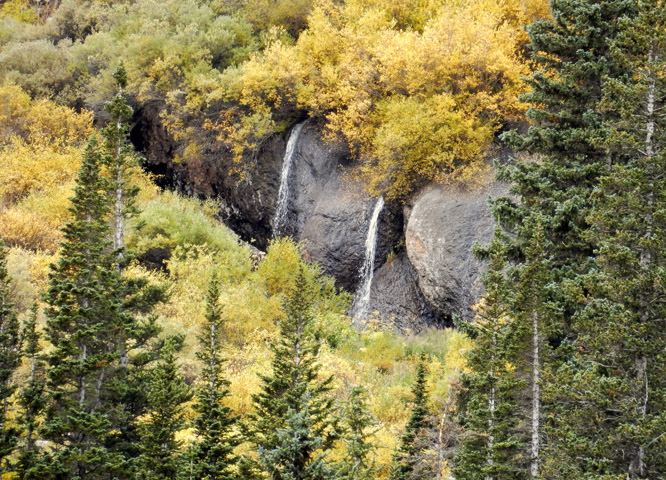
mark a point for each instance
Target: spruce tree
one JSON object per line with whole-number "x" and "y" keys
{"x": 357, "y": 430}
{"x": 406, "y": 457}
{"x": 31, "y": 398}
{"x": 213, "y": 454}
{"x": 119, "y": 158}
{"x": 10, "y": 359}
{"x": 292, "y": 428}
{"x": 619, "y": 423}
{"x": 161, "y": 457}
{"x": 573, "y": 50}
{"x": 492, "y": 446}
{"x": 83, "y": 325}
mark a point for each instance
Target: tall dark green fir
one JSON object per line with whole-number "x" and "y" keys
{"x": 119, "y": 158}
{"x": 83, "y": 328}
{"x": 619, "y": 423}
{"x": 493, "y": 445}
{"x": 161, "y": 452}
{"x": 358, "y": 426}
{"x": 553, "y": 197}
{"x": 212, "y": 456}
{"x": 292, "y": 428}
{"x": 409, "y": 450}
{"x": 31, "y": 397}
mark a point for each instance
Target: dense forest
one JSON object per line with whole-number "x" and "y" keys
{"x": 141, "y": 338}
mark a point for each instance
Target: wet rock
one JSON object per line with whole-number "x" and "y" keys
{"x": 396, "y": 298}
{"x": 330, "y": 212}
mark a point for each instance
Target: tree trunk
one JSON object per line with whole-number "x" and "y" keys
{"x": 536, "y": 397}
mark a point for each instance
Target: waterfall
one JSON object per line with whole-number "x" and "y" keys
{"x": 359, "y": 310}
{"x": 283, "y": 194}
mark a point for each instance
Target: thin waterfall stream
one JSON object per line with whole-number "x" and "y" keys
{"x": 359, "y": 310}
{"x": 281, "y": 209}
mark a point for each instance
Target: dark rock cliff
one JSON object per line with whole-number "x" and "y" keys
{"x": 424, "y": 271}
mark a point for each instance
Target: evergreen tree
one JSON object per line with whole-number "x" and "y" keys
{"x": 358, "y": 423}
{"x": 213, "y": 454}
{"x": 83, "y": 325}
{"x": 31, "y": 397}
{"x": 405, "y": 459}
{"x": 119, "y": 158}
{"x": 574, "y": 51}
{"x": 492, "y": 446}
{"x": 291, "y": 428}
{"x": 161, "y": 457}
{"x": 619, "y": 422}
{"x": 10, "y": 359}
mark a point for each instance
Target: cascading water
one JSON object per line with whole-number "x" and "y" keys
{"x": 283, "y": 194}
{"x": 359, "y": 310}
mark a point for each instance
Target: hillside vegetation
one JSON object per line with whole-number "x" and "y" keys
{"x": 417, "y": 89}
{"x": 39, "y": 160}
{"x": 141, "y": 339}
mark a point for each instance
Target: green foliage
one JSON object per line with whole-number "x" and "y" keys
{"x": 213, "y": 454}
{"x": 358, "y": 423}
{"x": 620, "y": 342}
{"x": 489, "y": 399}
{"x": 94, "y": 321}
{"x": 410, "y": 450}
{"x": 84, "y": 326}
{"x": 31, "y": 397}
{"x": 292, "y": 428}
{"x": 161, "y": 458}
{"x": 10, "y": 359}
{"x": 171, "y": 220}
{"x": 120, "y": 159}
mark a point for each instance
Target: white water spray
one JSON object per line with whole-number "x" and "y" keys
{"x": 362, "y": 300}
{"x": 283, "y": 194}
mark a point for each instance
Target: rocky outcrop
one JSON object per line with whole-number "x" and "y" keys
{"x": 330, "y": 213}
{"x": 424, "y": 271}
{"x": 396, "y": 299}
{"x": 443, "y": 226}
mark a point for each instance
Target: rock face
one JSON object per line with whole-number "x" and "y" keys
{"x": 424, "y": 272}
{"x": 330, "y": 213}
{"x": 443, "y": 226}
{"x": 397, "y": 299}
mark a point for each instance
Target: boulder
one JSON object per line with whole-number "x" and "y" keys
{"x": 396, "y": 299}
{"x": 442, "y": 227}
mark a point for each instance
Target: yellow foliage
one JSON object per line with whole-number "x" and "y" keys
{"x": 41, "y": 121}
{"x": 27, "y": 168}
{"x": 416, "y": 88}
{"x": 20, "y": 10}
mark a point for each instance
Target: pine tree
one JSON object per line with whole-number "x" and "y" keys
{"x": 619, "y": 426}
{"x": 213, "y": 454}
{"x": 358, "y": 424}
{"x": 161, "y": 457}
{"x": 31, "y": 396}
{"x": 292, "y": 429}
{"x": 136, "y": 296}
{"x": 492, "y": 446}
{"x": 10, "y": 359}
{"x": 555, "y": 194}
{"x": 119, "y": 157}
{"x": 83, "y": 325}
{"x": 406, "y": 457}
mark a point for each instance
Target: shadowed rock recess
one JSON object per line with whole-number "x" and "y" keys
{"x": 424, "y": 271}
